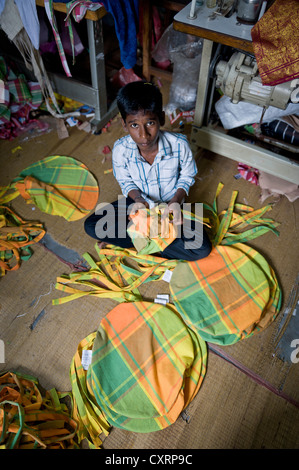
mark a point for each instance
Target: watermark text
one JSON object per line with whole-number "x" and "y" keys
{"x": 2, "y": 352}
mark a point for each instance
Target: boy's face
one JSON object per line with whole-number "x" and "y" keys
{"x": 144, "y": 128}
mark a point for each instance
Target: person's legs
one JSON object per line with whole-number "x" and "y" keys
{"x": 109, "y": 223}
{"x": 193, "y": 244}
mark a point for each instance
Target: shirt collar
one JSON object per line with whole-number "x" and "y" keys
{"x": 162, "y": 146}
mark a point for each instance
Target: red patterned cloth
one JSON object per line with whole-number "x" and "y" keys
{"x": 248, "y": 173}
{"x": 275, "y": 42}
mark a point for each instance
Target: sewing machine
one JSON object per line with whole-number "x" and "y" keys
{"x": 238, "y": 78}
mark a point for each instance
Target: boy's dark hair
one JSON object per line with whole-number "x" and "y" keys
{"x": 139, "y": 96}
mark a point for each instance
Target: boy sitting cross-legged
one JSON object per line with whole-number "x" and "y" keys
{"x": 152, "y": 166}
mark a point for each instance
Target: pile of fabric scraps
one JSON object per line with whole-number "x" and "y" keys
{"x": 20, "y": 23}
{"x": 283, "y": 130}
{"x": 29, "y": 420}
{"x": 248, "y": 173}
{"x": 16, "y": 237}
{"x": 270, "y": 185}
{"x": 140, "y": 370}
{"x": 18, "y": 98}
{"x": 57, "y": 185}
{"x": 273, "y": 186}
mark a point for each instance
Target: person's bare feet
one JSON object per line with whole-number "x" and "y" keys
{"x": 124, "y": 76}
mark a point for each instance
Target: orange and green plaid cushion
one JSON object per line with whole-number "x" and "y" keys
{"x": 228, "y": 296}
{"x": 147, "y": 366}
{"x": 92, "y": 424}
{"x": 57, "y": 185}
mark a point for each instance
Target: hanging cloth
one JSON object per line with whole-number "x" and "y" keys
{"x": 78, "y": 10}
{"x": 51, "y": 17}
{"x": 275, "y": 40}
{"x": 11, "y": 23}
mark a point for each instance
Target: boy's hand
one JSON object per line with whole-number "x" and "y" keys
{"x": 140, "y": 205}
{"x": 173, "y": 208}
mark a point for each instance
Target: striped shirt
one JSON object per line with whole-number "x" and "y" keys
{"x": 174, "y": 167}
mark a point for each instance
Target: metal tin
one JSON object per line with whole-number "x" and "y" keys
{"x": 248, "y": 11}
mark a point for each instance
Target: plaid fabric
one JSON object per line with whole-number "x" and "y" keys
{"x": 149, "y": 232}
{"x": 239, "y": 223}
{"x": 91, "y": 421}
{"x": 112, "y": 277}
{"x": 228, "y": 296}
{"x": 36, "y": 94}
{"x": 4, "y": 115}
{"x": 57, "y": 185}
{"x": 275, "y": 43}
{"x": 51, "y": 17}
{"x": 16, "y": 236}
{"x": 19, "y": 90}
{"x": 146, "y": 366}
{"x": 29, "y": 420}
{"x": 78, "y": 8}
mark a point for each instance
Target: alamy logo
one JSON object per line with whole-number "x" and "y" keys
{"x": 113, "y": 222}
{"x": 295, "y": 353}
{"x": 2, "y": 353}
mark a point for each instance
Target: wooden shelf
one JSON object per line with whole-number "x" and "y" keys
{"x": 89, "y": 15}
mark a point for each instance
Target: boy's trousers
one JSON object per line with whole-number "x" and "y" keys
{"x": 109, "y": 224}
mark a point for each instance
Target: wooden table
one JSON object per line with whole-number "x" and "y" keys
{"x": 226, "y": 31}
{"x": 95, "y": 94}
